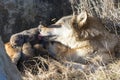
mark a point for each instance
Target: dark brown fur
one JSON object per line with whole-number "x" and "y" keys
{"x": 30, "y": 35}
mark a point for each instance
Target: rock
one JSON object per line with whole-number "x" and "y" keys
{"x": 8, "y": 71}
{"x": 18, "y": 15}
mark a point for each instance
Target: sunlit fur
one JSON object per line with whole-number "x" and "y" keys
{"x": 13, "y": 53}
{"x": 25, "y": 52}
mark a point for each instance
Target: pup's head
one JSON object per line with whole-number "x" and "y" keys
{"x": 17, "y": 40}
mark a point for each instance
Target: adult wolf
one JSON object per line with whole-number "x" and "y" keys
{"x": 84, "y": 36}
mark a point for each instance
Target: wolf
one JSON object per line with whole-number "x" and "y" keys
{"x": 83, "y": 37}
{"x": 21, "y": 54}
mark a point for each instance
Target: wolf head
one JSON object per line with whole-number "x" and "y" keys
{"x": 71, "y": 29}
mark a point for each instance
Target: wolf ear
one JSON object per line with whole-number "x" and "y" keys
{"x": 82, "y": 18}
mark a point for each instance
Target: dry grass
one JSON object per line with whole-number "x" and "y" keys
{"x": 58, "y": 71}
{"x": 109, "y": 14}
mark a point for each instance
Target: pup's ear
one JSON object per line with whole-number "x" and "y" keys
{"x": 82, "y": 18}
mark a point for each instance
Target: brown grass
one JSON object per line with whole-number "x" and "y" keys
{"x": 109, "y": 13}
{"x": 58, "y": 71}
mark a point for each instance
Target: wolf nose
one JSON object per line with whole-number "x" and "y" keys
{"x": 39, "y": 30}
{"x": 40, "y": 26}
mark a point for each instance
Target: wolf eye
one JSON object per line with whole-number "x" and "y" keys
{"x": 14, "y": 46}
{"x": 74, "y": 24}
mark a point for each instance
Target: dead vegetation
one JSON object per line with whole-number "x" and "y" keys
{"x": 58, "y": 71}
{"x": 108, "y": 11}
